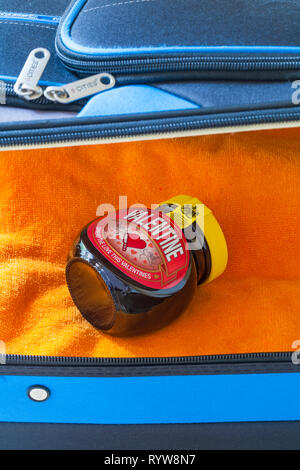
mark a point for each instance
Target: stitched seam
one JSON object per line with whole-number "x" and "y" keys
{"x": 27, "y": 24}
{"x": 128, "y": 2}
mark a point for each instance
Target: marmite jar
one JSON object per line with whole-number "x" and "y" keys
{"x": 133, "y": 271}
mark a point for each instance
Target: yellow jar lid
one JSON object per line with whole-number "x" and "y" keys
{"x": 196, "y": 211}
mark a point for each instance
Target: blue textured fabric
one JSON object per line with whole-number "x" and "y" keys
{"x": 43, "y": 7}
{"x": 232, "y": 94}
{"x": 18, "y": 38}
{"x": 142, "y": 400}
{"x": 145, "y": 25}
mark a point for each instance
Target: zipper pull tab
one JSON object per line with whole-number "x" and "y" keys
{"x": 26, "y": 85}
{"x": 80, "y": 89}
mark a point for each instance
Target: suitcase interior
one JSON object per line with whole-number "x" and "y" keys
{"x": 209, "y": 387}
{"x": 249, "y": 181}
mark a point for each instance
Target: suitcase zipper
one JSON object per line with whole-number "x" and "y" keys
{"x": 110, "y": 130}
{"x": 12, "y": 359}
{"x": 180, "y": 64}
{"x": 26, "y": 85}
{"x": 40, "y": 102}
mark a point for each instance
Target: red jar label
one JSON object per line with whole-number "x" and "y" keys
{"x": 145, "y": 245}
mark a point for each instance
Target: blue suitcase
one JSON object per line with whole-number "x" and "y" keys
{"x": 171, "y": 68}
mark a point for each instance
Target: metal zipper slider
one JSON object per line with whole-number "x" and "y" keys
{"x": 26, "y": 85}
{"x": 80, "y": 89}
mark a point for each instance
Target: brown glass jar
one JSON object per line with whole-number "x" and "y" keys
{"x": 134, "y": 271}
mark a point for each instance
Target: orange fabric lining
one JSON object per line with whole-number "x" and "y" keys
{"x": 250, "y": 182}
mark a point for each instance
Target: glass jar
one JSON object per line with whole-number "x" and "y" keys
{"x": 133, "y": 271}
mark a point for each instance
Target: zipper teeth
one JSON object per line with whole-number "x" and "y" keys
{"x": 9, "y": 88}
{"x": 147, "y": 361}
{"x": 187, "y": 64}
{"x": 163, "y": 128}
